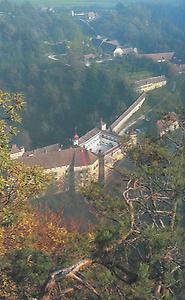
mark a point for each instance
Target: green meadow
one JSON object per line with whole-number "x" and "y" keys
{"x": 70, "y": 3}
{"x": 83, "y": 3}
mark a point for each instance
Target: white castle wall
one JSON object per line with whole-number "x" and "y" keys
{"x": 126, "y": 116}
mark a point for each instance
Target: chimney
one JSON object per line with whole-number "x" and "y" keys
{"x": 75, "y": 139}
{"x": 103, "y": 126}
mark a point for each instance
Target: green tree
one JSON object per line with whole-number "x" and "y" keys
{"x": 17, "y": 185}
{"x": 138, "y": 246}
{"x": 32, "y": 242}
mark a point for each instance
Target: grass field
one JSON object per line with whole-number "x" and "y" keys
{"x": 134, "y": 76}
{"x": 70, "y": 3}
{"x": 101, "y": 3}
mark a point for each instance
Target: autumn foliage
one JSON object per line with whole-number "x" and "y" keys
{"x": 31, "y": 241}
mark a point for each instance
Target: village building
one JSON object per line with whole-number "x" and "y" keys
{"x": 16, "y": 152}
{"x": 72, "y": 168}
{"x": 106, "y": 45}
{"x": 179, "y": 68}
{"x": 118, "y": 52}
{"x": 159, "y": 57}
{"x": 127, "y": 51}
{"x": 112, "y": 47}
{"x": 91, "y": 15}
{"x": 91, "y": 158}
{"x": 150, "y": 84}
{"x": 167, "y": 124}
{"x": 118, "y": 125}
{"x": 89, "y": 58}
{"x": 106, "y": 145}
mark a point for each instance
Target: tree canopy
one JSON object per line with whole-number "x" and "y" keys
{"x": 135, "y": 251}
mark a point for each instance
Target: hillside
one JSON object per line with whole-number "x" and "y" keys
{"x": 72, "y": 3}
{"x": 62, "y": 93}
{"x": 98, "y": 216}
{"x": 87, "y": 3}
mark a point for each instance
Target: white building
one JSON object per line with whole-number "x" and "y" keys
{"x": 119, "y": 123}
{"x": 168, "y": 124}
{"x": 150, "y": 84}
{"x": 99, "y": 140}
{"x": 16, "y": 152}
{"x": 118, "y": 52}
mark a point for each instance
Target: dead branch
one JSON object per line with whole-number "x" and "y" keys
{"x": 64, "y": 273}
{"x": 86, "y": 284}
{"x": 173, "y": 216}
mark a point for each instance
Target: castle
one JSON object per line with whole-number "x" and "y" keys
{"x": 150, "y": 84}
{"x": 167, "y": 124}
{"x": 90, "y": 158}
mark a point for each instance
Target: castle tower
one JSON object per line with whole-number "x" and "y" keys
{"x": 103, "y": 125}
{"x": 75, "y": 139}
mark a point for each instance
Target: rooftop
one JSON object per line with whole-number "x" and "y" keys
{"x": 98, "y": 141}
{"x": 121, "y": 117}
{"x": 15, "y": 149}
{"x": 150, "y": 80}
{"x": 166, "y": 121}
{"x": 167, "y": 56}
{"x": 113, "y": 42}
{"x": 90, "y": 134}
{"x": 89, "y": 56}
{"x": 50, "y": 148}
{"x": 58, "y": 158}
{"x": 129, "y": 50}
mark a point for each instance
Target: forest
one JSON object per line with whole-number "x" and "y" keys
{"x": 64, "y": 95}
{"x": 151, "y": 27}
{"x": 135, "y": 248}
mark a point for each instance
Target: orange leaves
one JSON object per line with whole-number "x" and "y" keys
{"x": 50, "y": 235}
{"x": 20, "y": 233}
{"x": 7, "y": 288}
{"x": 24, "y": 182}
{"x": 40, "y": 230}
{"x": 19, "y": 183}
{"x": 2, "y": 248}
{"x": 52, "y": 239}
{"x": 12, "y": 104}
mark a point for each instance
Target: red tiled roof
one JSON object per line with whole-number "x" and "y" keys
{"x": 83, "y": 157}
{"x": 128, "y": 50}
{"x": 89, "y": 135}
{"x": 160, "y": 124}
{"x": 50, "y": 148}
{"x": 89, "y": 56}
{"x": 113, "y": 42}
{"x": 48, "y": 160}
{"x": 167, "y": 120}
{"x": 150, "y": 80}
{"x": 15, "y": 149}
{"x": 112, "y": 150}
{"x": 59, "y": 158}
{"x": 159, "y": 56}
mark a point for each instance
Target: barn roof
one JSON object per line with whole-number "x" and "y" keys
{"x": 59, "y": 158}
{"x": 167, "y": 56}
{"x": 122, "y": 116}
{"x": 150, "y": 80}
